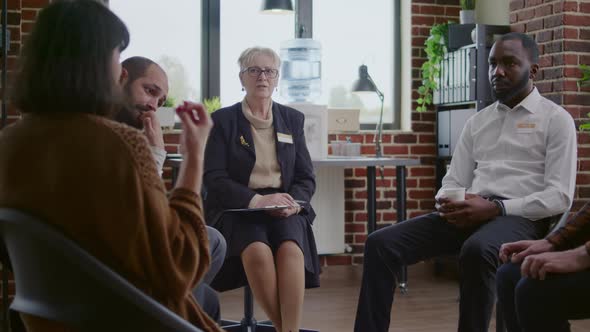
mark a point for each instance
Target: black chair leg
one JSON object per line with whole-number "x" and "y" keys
{"x": 249, "y": 323}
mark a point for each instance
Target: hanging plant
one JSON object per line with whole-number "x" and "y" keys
{"x": 585, "y": 81}
{"x": 435, "y": 51}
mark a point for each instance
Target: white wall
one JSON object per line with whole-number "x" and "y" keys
{"x": 492, "y": 12}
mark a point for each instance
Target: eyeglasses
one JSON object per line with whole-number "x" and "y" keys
{"x": 257, "y": 71}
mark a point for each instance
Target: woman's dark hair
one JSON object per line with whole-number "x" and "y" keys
{"x": 66, "y": 63}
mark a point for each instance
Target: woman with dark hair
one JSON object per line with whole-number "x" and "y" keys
{"x": 95, "y": 179}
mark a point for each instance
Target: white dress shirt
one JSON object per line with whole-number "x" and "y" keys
{"x": 527, "y": 154}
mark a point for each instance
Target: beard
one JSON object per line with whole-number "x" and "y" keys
{"x": 129, "y": 115}
{"x": 507, "y": 95}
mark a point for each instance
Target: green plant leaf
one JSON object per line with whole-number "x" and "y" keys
{"x": 435, "y": 48}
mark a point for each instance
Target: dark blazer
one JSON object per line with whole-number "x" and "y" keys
{"x": 230, "y": 158}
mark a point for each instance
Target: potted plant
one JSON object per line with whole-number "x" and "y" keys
{"x": 467, "y": 13}
{"x": 166, "y": 114}
{"x": 584, "y": 81}
{"x": 212, "y": 104}
{"x": 435, "y": 52}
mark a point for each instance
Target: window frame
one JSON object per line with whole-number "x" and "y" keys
{"x": 303, "y": 28}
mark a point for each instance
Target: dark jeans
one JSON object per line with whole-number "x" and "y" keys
{"x": 414, "y": 240}
{"x": 542, "y": 305}
{"x": 205, "y": 295}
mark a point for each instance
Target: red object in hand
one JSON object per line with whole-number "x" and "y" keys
{"x": 182, "y": 108}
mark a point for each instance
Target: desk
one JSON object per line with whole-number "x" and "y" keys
{"x": 370, "y": 164}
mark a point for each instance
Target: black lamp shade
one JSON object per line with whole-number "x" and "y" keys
{"x": 364, "y": 84}
{"x": 277, "y": 6}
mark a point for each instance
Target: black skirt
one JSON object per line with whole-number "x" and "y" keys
{"x": 240, "y": 229}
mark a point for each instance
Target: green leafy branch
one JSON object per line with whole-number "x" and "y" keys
{"x": 435, "y": 50}
{"x": 584, "y": 81}
{"x": 212, "y": 104}
{"x": 468, "y": 4}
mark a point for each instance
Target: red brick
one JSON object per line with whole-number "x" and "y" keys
{"x": 384, "y": 205}
{"x": 530, "y": 3}
{"x": 576, "y": 20}
{"x": 583, "y": 138}
{"x": 585, "y": 33}
{"x": 516, "y": 4}
{"x": 544, "y": 87}
{"x": 542, "y": 11}
{"x": 432, "y": 10}
{"x": 526, "y": 15}
{"x": 583, "y": 179}
{"x": 544, "y": 36}
{"x": 172, "y": 138}
{"x": 427, "y": 183}
{"x": 585, "y": 7}
{"x": 534, "y": 25}
{"x": 354, "y": 206}
{"x": 583, "y": 165}
{"x": 427, "y": 204}
{"x": 338, "y": 260}
{"x": 355, "y": 228}
{"x": 34, "y": 3}
{"x": 423, "y": 149}
{"x": 396, "y": 150}
{"x": 361, "y": 217}
{"x": 368, "y": 149}
{"x": 421, "y": 171}
{"x": 405, "y": 138}
{"x": 360, "y": 238}
{"x": 577, "y": 99}
{"x": 553, "y": 47}
{"x": 26, "y": 27}
{"x": 453, "y": 12}
{"x": 171, "y": 148}
{"x": 422, "y": 20}
{"x": 29, "y": 14}
{"x": 417, "y": 194}
{"x": 513, "y": 18}
{"x": 577, "y": 46}
{"x": 357, "y": 183}
{"x": 423, "y": 127}
{"x": 386, "y": 138}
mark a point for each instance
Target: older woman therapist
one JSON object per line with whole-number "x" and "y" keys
{"x": 256, "y": 157}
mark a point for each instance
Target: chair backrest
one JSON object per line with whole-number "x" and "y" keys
{"x": 57, "y": 280}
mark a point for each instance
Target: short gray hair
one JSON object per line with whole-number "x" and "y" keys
{"x": 249, "y": 54}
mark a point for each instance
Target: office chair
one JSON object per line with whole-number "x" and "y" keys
{"x": 500, "y": 325}
{"x": 57, "y": 280}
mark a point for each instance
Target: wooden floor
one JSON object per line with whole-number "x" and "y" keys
{"x": 429, "y": 306}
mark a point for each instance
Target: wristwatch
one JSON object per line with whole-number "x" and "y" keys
{"x": 500, "y": 205}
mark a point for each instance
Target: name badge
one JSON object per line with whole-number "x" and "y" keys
{"x": 525, "y": 127}
{"x": 285, "y": 138}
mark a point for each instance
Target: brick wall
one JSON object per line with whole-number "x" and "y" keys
{"x": 21, "y": 15}
{"x": 562, "y": 29}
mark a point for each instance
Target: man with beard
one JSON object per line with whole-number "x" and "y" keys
{"x": 517, "y": 160}
{"x": 145, "y": 87}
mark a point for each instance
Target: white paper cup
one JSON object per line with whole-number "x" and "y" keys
{"x": 453, "y": 194}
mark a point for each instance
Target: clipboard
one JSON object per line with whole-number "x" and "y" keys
{"x": 264, "y": 208}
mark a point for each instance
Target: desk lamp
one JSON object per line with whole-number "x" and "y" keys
{"x": 366, "y": 84}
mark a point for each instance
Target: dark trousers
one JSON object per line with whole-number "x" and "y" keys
{"x": 414, "y": 240}
{"x": 542, "y": 305}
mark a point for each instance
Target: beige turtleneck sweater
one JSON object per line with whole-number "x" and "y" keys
{"x": 266, "y": 172}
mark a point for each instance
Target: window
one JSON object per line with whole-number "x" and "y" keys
{"x": 242, "y": 26}
{"x": 363, "y": 33}
{"x": 169, "y": 33}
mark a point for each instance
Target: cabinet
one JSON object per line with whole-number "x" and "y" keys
{"x": 464, "y": 86}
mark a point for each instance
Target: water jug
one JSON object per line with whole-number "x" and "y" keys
{"x": 301, "y": 70}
